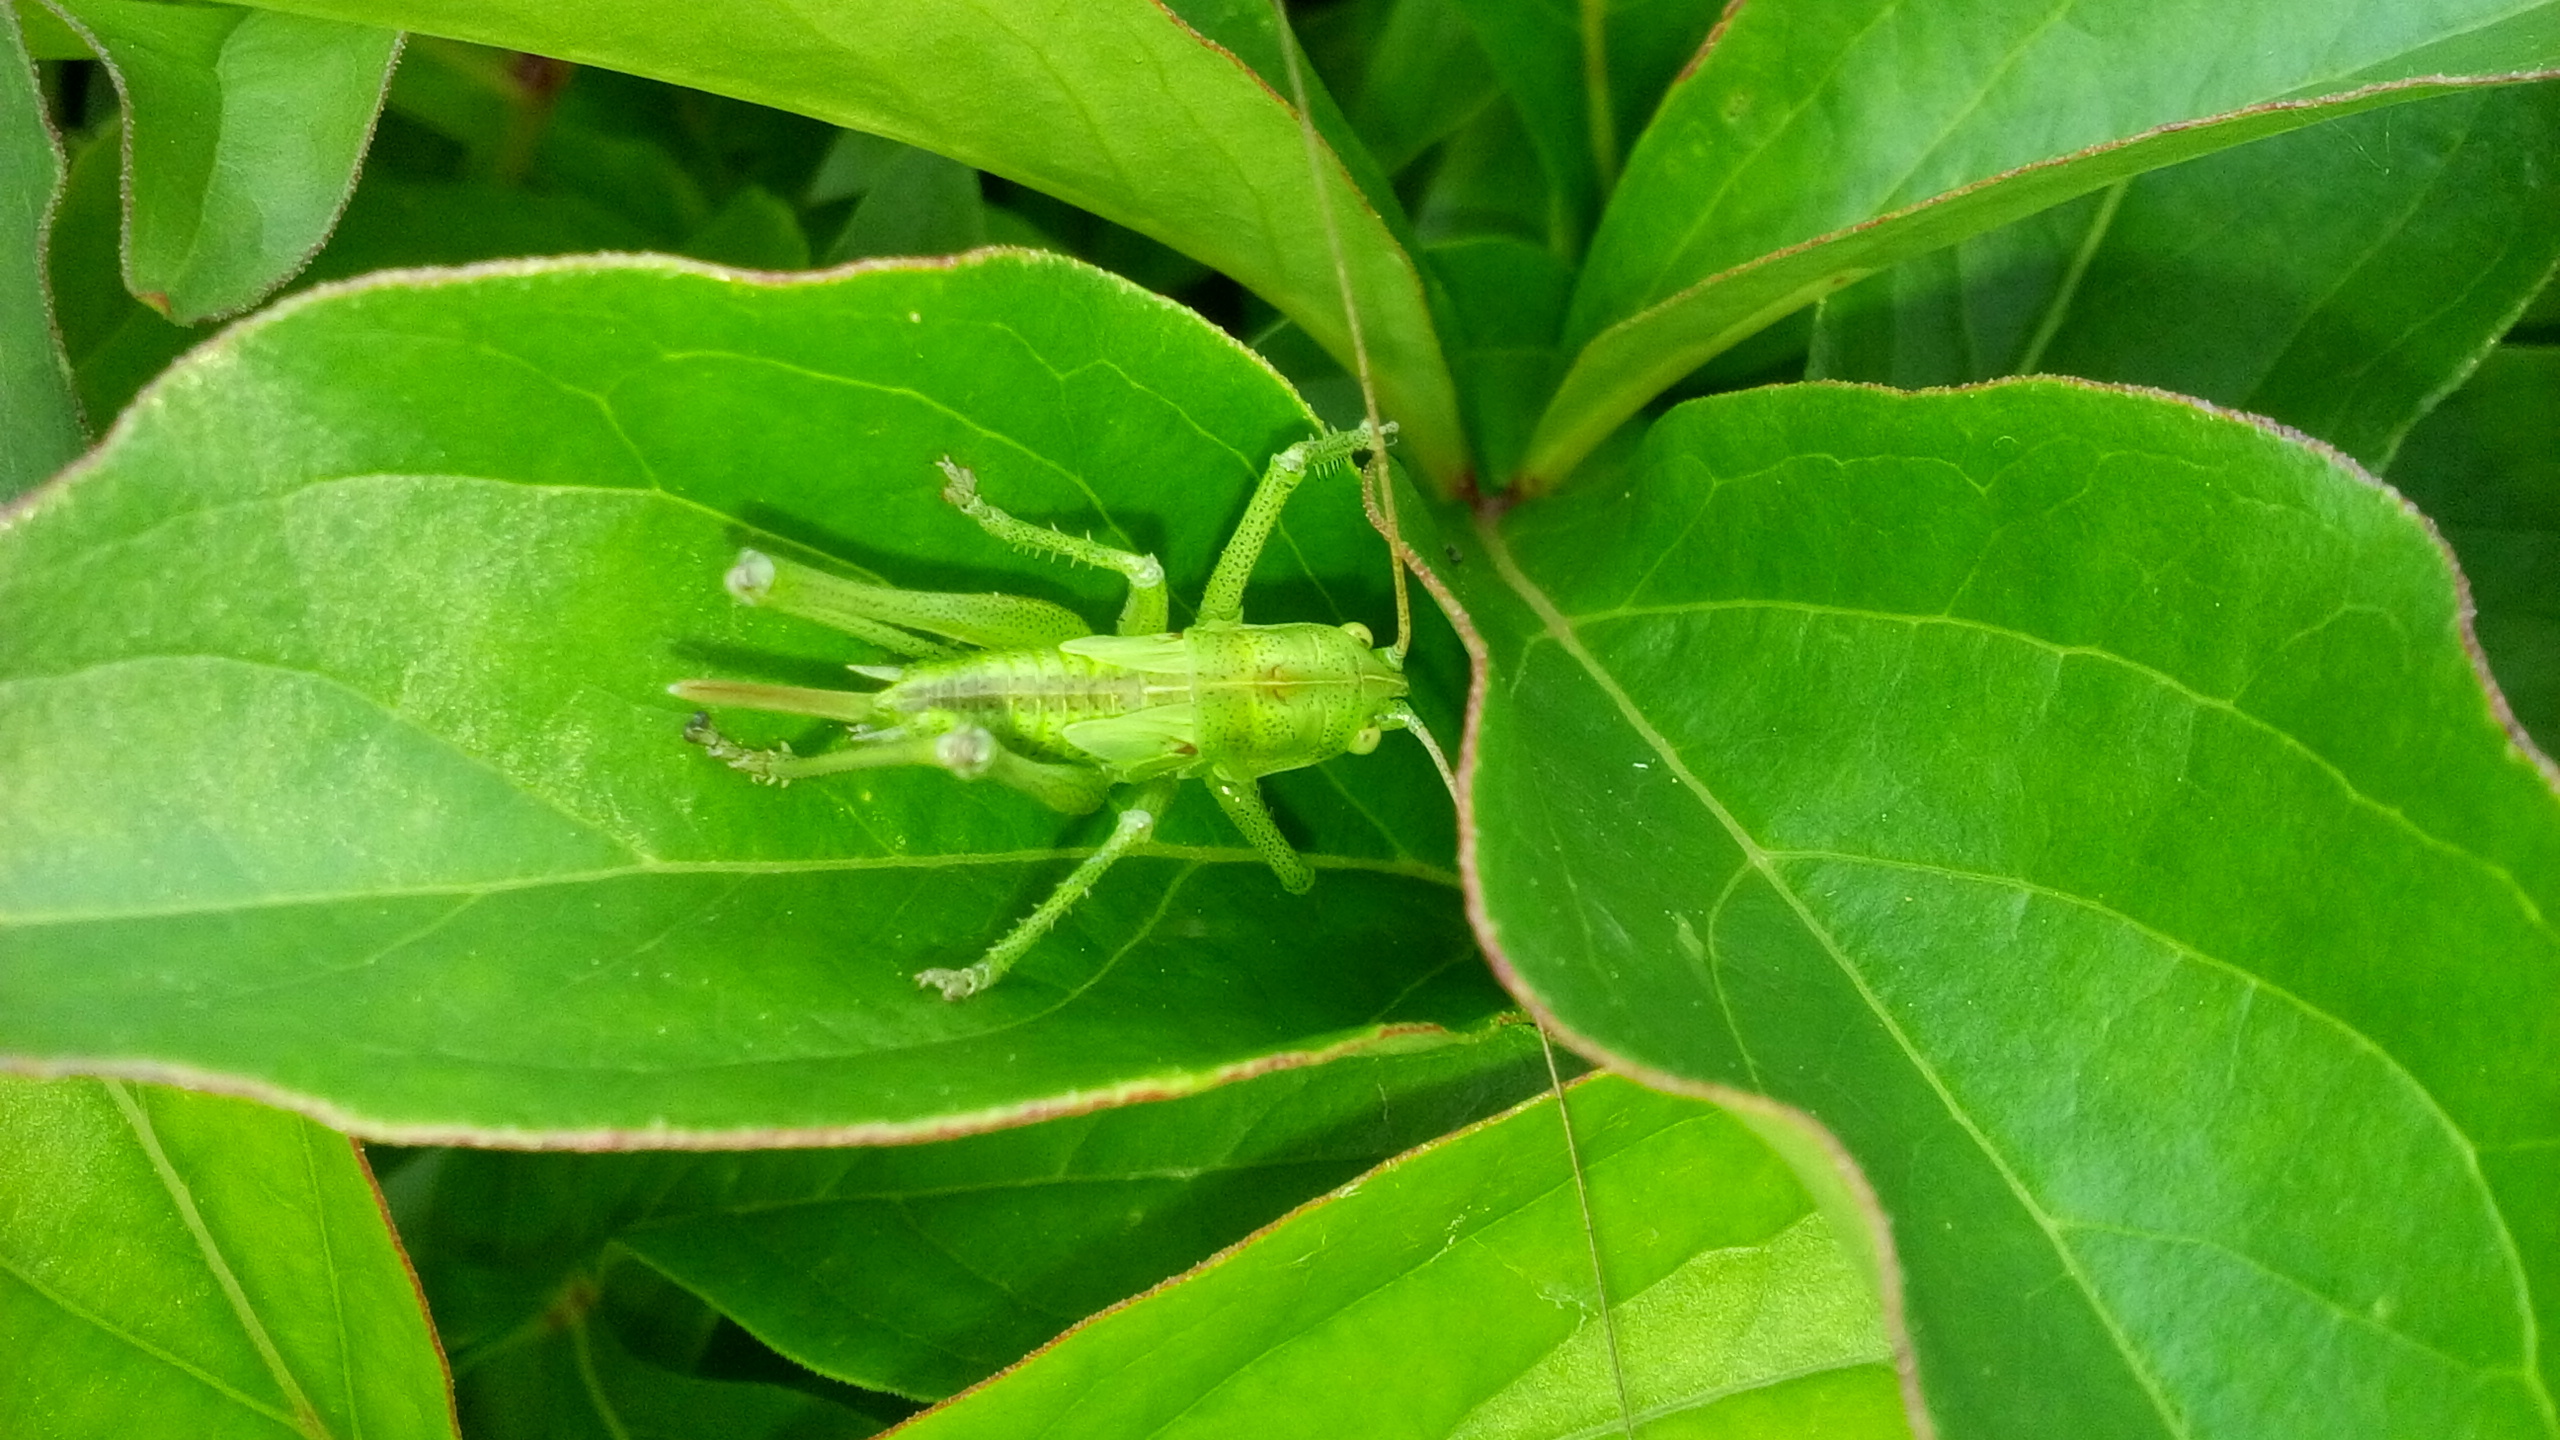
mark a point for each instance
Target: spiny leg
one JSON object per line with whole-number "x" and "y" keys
{"x": 1137, "y": 821}
{"x": 968, "y": 752}
{"x": 1242, "y": 800}
{"x": 1223, "y": 602}
{"x": 1145, "y": 612}
{"x": 998, "y": 622}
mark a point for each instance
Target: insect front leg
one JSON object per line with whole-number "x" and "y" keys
{"x": 1137, "y": 821}
{"x": 1145, "y": 612}
{"x": 1242, "y": 800}
{"x": 1223, "y": 602}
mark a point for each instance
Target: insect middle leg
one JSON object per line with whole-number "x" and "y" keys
{"x": 1137, "y": 821}
{"x": 1242, "y": 800}
{"x": 1145, "y": 612}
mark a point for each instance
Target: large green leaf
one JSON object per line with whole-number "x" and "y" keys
{"x": 39, "y": 417}
{"x": 1108, "y": 103}
{"x": 2084, "y": 803}
{"x": 1817, "y": 141}
{"x": 339, "y": 763}
{"x": 921, "y": 1269}
{"x": 1451, "y": 1293}
{"x": 2339, "y": 279}
{"x": 242, "y": 135}
{"x": 178, "y": 1264}
{"x": 2486, "y": 468}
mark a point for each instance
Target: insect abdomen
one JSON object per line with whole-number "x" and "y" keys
{"x": 1026, "y": 698}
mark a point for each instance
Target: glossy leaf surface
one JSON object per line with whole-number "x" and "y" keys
{"x": 39, "y": 417}
{"x": 1104, "y": 103}
{"x": 2486, "y": 468}
{"x": 922, "y": 1269}
{"x": 2085, "y": 805}
{"x": 1451, "y": 1293}
{"x": 179, "y": 1264}
{"x": 243, "y": 131}
{"x": 1813, "y": 144}
{"x": 2339, "y": 279}
{"x": 340, "y": 764}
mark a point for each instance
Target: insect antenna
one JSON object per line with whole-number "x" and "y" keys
{"x": 1377, "y": 496}
{"x": 1377, "y": 490}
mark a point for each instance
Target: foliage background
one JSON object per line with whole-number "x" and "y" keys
{"x": 2081, "y": 811}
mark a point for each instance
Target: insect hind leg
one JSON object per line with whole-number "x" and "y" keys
{"x": 1223, "y": 602}
{"x": 1137, "y": 821}
{"x": 967, "y": 751}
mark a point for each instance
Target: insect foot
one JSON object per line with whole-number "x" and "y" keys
{"x": 968, "y": 752}
{"x": 757, "y": 764}
{"x": 958, "y": 984}
{"x": 959, "y": 483}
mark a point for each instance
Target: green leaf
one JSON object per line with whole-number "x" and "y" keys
{"x": 178, "y": 1264}
{"x": 916, "y": 203}
{"x": 2486, "y": 468}
{"x": 2084, "y": 804}
{"x": 1540, "y": 48}
{"x": 578, "y": 1371}
{"x": 583, "y": 1383}
{"x": 1450, "y": 1293}
{"x": 757, "y": 228}
{"x": 1815, "y": 143}
{"x": 44, "y": 34}
{"x": 923, "y": 1269}
{"x": 335, "y": 741}
{"x": 39, "y": 415}
{"x": 1507, "y": 299}
{"x": 1421, "y": 77}
{"x": 2339, "y": 279}
{"x": 243, "y": 131}
{"x": 1100, "y": 102}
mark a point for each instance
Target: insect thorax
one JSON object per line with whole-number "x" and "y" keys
{"x": 1281, "y": 697}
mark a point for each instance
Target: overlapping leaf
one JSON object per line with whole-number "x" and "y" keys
{"x": 339, "y": 763}
{"x": 2486, "y": 468}
{"x": 1813, "y": 144}
{"x": 2086, "y": 805}
{"x": 243, "y": 132}
{"x": 1119, "y": 107}
{"x": 39, "y": 417}
{"x": 923, "y": 1269}
{"x": 1451, "y": 1293}
{"x": 178, "y": 1264}
{"x": 2339, "y": 279}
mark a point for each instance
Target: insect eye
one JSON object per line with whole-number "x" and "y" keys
{"x": 1360, "y": 632}
{"x": 1366, "y": 740}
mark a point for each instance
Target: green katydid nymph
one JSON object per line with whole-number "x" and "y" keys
{"x": 1042, "y": 704}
